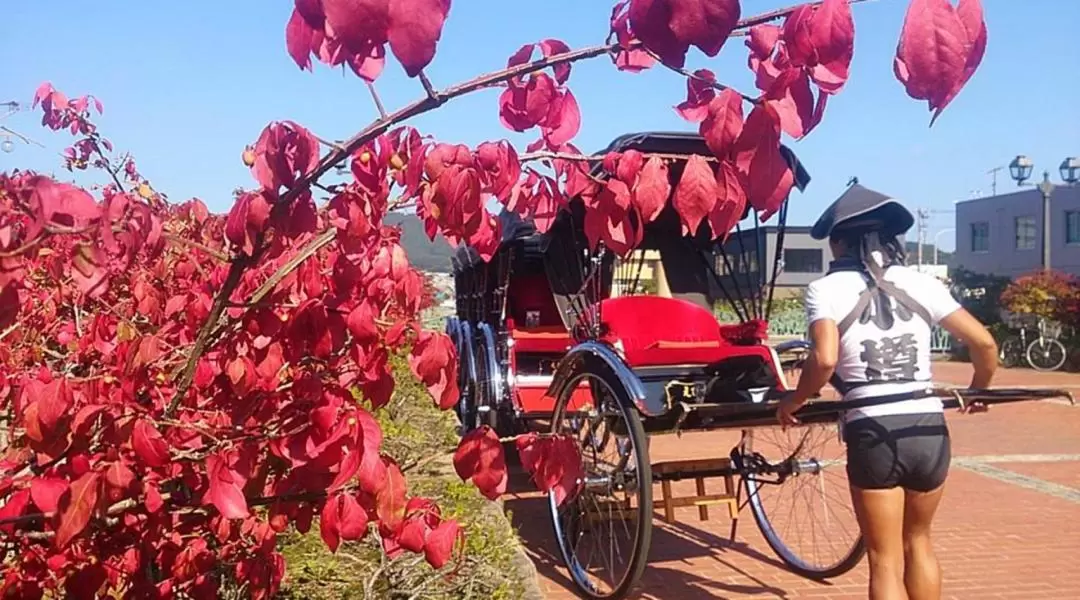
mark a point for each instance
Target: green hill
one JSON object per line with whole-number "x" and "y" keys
{"x": 423, "y": 253}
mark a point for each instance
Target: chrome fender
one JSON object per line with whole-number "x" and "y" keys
{"x": 494, "y": 373}
{"x": 587, "y": 354}
{"x": 792, "y": 345}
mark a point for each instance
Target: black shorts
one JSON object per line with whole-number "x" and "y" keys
{"x": 908, "y": 451}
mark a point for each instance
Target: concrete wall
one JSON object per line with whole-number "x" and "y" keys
{"x": 797, "y": 240}
{"x": 1000, "y": 212}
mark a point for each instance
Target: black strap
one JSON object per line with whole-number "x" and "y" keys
{"x": 882, "y": 287}
{"x": 889, "y": 290}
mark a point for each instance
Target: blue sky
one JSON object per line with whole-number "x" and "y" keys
{"x": 187, "y": 84}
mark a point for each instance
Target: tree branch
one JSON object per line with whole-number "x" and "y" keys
{"x": 375, "y": 98}
{"x": 546, "y": 155}
{"x": 172, "y": 237}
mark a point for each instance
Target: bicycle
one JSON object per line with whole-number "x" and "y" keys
{"x": 1044, "y": 353}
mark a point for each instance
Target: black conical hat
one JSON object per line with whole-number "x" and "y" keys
{"x": 863, "y": 209}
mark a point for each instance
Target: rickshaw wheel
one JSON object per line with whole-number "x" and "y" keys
{"x": 604, "y": 529}
{"x": 805, "y": 464}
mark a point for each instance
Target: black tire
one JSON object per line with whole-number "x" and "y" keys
{"x": 630, "y": 429}
{"x": 754, "y": 484}
{"x": 467, "y": 376}
{"x": 1012, "y": 352}
{"x": 488, "y": 383}
{"x": 1046, "y": 355}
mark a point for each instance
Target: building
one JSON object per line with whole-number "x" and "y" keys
{"x": 749, "y": 260}
{"x": 1002, "y": 235}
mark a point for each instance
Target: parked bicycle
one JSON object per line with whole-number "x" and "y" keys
{"x": 1040, "y": 350}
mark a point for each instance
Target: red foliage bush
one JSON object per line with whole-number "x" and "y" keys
{"x": 179, "y": 387}
{"x": 1048, "y": 294}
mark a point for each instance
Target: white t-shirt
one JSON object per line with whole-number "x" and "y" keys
{"x": 876, "y": 350}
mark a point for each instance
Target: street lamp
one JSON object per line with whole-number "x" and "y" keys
{"x": 1020, "y": 169}
{"x": 1070, "y": 170}
{"x": 7, "y": 145}
{"x": 936, "y": 236}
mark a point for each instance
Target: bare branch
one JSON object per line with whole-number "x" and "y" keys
{"x": 172, "y": 237}
{"x": 546, "y": 155}
{"x": 378, "y": 101}
{"x": 428, "y": 89}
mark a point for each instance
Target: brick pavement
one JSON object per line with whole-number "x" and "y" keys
{"x": 1009, "y": 526}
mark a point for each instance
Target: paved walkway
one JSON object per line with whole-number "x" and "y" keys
{"x": 1009, "y": 526}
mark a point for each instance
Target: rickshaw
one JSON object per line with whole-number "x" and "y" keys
{"x": 554, "y": 335}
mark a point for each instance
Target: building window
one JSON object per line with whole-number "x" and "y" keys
{"x": 1072, "y": 227}
{"x": 740, "y": 263}
{"x": 803, "y": 260}
{"x": 1025, "y": 233}
{"x": 980, "y": 237}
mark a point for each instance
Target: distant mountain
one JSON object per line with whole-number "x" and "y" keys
{"x": 423, "y": 253}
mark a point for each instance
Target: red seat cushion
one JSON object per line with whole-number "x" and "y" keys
{"x": 657, "y": 331}
{"x": 548, "y": 340}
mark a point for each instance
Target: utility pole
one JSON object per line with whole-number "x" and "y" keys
{"x": 993, "y": 179}
{"x": 922, "y": 216}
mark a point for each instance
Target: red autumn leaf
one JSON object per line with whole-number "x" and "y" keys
{"x": 361, "y": 323}
{"x": 119, "y": 476}
{"x": 154, "y": 501}
{"x": 15, "y": 506}
{"x": 54, "y": 402}
{"x": 415, "y": 29}
{"x": 832, "y": 32}
{"x": 357, "y": 24}
{"x": 342, "y": 519}
{"x": 479, "y": 457}
{"x": 76, "y": 507}
{"x": 762, "y": 40}
{"x": 563, "y": 120}
{"x": 940, "y": 48}
{"x": 89, "y": 269}
{"x": 628, "y": 165}
{"x": 247, "y": 219}
{"x": 62, "y": 203}
{"x": 704, "y": 23}
{"x": 226, "y": 488}
{"x": 695, "y": 195}
{"x": 790, "y": 95}
{"x": 523, "y": 106}
{"x": 299, "y": 37}
{"x": 628, "y": 59}
{"x": 421, "y": 516}
{"x": 796, "y": 34}
{"x": 390, "y": 500}
{"x": 46, "y": 492}
{"x": 328, "y": 524}
{"x": 768, "y": 177}
{"x": 500, "y": 168}
{"x": 373, "y": 471}
{"x": 723, "y": 122}
{"x": 434, "y": 361}
{"x": 699, "y": 92}
{"x": 730, "y": 202}
{"x": 653, "y": 188}
{"x": 284, "y": 152}
{"x": 149, "y": 445}
{"x": 553, "y": 462}
{"x": 439, "y": 546}
{"x": 670, "y": 27}
{"x": 548, "y": 48}
{"x": 9, "y": 303}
